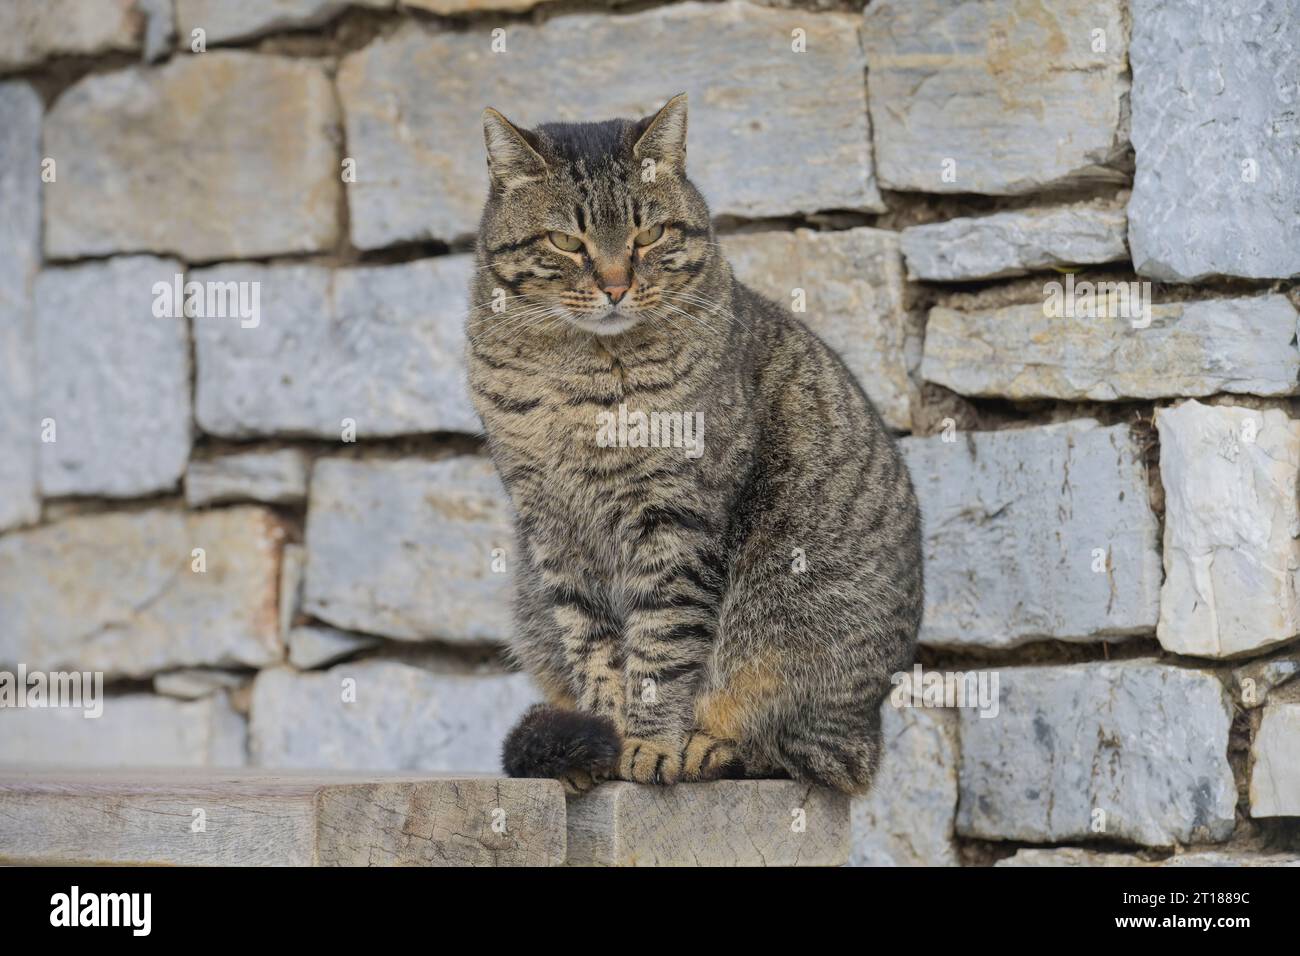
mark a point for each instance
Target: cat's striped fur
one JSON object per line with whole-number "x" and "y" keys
{"x": 739, "y": 612}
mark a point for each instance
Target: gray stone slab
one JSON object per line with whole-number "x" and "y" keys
{"x": 382, "y": 347}
{"x": 272, "y": 477}
{"x": 120, "y": 593}
{"x": 1254, "y": 681}
{"x": 1034, "y": 534}
{"x": 268, "y": 178}
{"x": 1231, "y": 554}
{"x": 142, "y": 730}
{"x": 311, "y": 647}
{"x": 293, "y": 561}
{"x": 996, "y": 97}
{"x": 1072, "y": 856}
{"x": 906, "y": 819}
{"x": 114, "y": 377}
{"x": 450, "y": 8}
{"x": 20, "y": 253}
{"x": 409, "y": 549}
{"x": 36, "y": 30}
{"x": 1134, "y": 751}
{"x": 1275, "y": 758}
{"x": 1241, "y": 345}
{"x": 1216, "y": 191}
{"x": 194, "y": 683}
{"x": 160, "y": 28}
{"x": 1015, "y": 243}
{"x": 385, "y": 715}
{"x": 226, "y": 21}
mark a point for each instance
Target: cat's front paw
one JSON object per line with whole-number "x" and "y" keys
{"x": 650, "y": 761}
{"x": 579, "y": 782}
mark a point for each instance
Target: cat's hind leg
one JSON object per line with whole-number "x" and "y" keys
{"x": 729, "y": 715}
{"x": 706, "y": 757}
{"x": 789, "y": 714}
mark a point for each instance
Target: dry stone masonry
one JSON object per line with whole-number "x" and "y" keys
{"x": 381, "y": 347}
{"x": 134, "y": 729}
{"x": 1241, "y": 345}
{"x": 1035, "y": 533}
{"x": 1214, "y": 129}
{"x": 33, "y": 31}
{"x": 273, "y": 164}
{"x": 272, "y": 477}
{"x": 1071, "y": 856}
{"x": 118, "y": 388}
{"x": 384, "y": 715}
{"x": 133, "y": 593}
{"x": 993, "y": 97}
{"x": 1015, "y": 243}
{"x": 907, "y": 819}
{"x": 1232, "y": 561}
{"x": 20, "y": 229}
{"x": 1134, "y": 750}
{"x": 240, "y": 477}
{"x": 1275, "y": 779}
{"x": 410, "y": 550}
{"x": 229, "y": 21}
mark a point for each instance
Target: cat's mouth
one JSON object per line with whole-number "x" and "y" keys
{"x": 612, "y": 320}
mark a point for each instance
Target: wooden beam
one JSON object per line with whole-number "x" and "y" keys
{"x": 238, "y": 818}
{"x": 727, "y": 823}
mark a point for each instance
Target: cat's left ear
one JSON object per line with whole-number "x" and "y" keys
{"x": 663, "y": 136}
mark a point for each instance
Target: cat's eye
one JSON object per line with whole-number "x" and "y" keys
{"x": 649, "y": 236}
{"x": 565, "y": 242}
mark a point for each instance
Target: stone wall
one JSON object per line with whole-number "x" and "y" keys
{"x": 278, "y": 539}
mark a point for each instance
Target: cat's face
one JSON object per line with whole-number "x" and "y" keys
{"x": 592, "y": 224}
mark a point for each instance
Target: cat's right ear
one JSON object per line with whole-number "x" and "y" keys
{"x": 663, "y": 136}
{"x": 511, "y": 158}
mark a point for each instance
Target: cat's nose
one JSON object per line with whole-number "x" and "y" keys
{"x": 615, "y": 292}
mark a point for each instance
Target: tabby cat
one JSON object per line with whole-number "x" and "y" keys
{"x": 688, "y": 616}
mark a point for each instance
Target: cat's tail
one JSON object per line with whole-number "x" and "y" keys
{"x": 550, "y": 742}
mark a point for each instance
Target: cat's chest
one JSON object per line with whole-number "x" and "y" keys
{"x": 588, "y": 470}
{"x": 596, "y": 421}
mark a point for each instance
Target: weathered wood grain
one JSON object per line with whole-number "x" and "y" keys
{"x": 150, "y": 817}
{"x": 727, "y": 823}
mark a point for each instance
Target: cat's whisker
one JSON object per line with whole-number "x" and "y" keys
{"x": 660, "y": 320}
{"x": 712, "y": 308}
{"x": 710, "y": 304}
{"x": 507, "y": 330}
{"x": 511, "y": 319}
{"x": 497, "y": 322}
{"x": 519, "y": 325}
{"x": 694, "y": 318}
{"x": 696, "y": 303}
{"x": 525, "y": 322}
{"x": 717, "y": 312}
{"x": 488, "y": 303}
